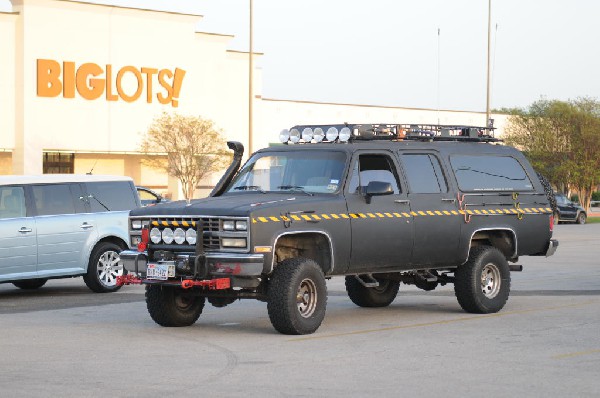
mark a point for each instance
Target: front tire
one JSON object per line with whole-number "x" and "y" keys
{"x": 297, "y": 296}
{"x": 103, "y": 268}
{"x": 380, "y": 296}
{"x": 482, "y": 284}
{"x": 30, "y": 284}
{"x": 581, "y": 218}
{"x": 170, "y": 307}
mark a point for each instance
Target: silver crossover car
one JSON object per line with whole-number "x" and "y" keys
{"x": 57, "y": 226}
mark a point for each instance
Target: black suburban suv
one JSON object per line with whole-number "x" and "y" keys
{"x": 380, "y": 205}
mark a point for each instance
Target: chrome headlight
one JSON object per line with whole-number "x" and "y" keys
{"x": 241, "y": 225}
{"x": 228, "y": 225}
{"x": 167, "y": 236}
{"x": 136, "y": 224}
{"x": 190, "y": 236}
{"x": 155, "y": 236}
{"x": 179, "y": 236}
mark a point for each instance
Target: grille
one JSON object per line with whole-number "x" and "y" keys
{"x": 210, "y": 227}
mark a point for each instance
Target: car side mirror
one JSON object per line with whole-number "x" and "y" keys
{"x": 378, "y": 188}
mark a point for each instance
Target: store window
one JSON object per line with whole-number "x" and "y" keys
{"x": 59, "y": 163}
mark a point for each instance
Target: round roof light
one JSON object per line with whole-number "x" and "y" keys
{"x": 307, "y": 134}
{"x": 284, "y": 136}
{"x": 294, "y": 135}
{"x": 318, "y": 134}
{"x": 345, "y": 134}
{"x": 332, "y": 134}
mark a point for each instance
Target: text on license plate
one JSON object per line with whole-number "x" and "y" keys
{"x": 161, "y": 271}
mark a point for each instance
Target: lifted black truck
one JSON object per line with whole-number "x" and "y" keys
{"x": 380, "y": 205}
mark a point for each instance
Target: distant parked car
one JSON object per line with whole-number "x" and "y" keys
{"x": 569, "y": 211}
{"x": 148, "y": 197}
{"x": 59, "y": 225}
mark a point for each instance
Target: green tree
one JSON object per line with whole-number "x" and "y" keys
{"x": 562, "y": 141}
{"x": 191, "y": 148}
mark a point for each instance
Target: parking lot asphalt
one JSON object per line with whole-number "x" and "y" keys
{"x": 63, "y": 340}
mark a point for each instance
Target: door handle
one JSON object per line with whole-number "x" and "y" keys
{"x": 449, "y": 200}
{"x": 402, "y": 201}
{"x": 25, "y": 230}
{"x": 86, "y": 226}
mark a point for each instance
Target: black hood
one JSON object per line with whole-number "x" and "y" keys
{"x": 230, "y": 205}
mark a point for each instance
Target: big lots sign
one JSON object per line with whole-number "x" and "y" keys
{"x": 92, "y": 81}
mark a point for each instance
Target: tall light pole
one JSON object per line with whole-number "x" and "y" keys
{"x": 250, "y": 83}
{"x": 489, "y": 52}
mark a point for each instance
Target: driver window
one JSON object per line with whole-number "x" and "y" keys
{"x": 369, "y": 168}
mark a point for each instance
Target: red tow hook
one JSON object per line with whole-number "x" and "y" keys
{"x": 128, "y": 279}
{"x": 212, "y": 284}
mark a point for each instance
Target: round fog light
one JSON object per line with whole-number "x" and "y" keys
{"x": 179, "y": 236}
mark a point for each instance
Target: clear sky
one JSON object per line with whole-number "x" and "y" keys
{"x": 388, "y": 52}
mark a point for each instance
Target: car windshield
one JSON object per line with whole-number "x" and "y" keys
{"x": 308, "y": 172}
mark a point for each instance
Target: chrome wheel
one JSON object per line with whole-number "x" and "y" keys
{"x": 490, "y": 280}
{"x": 108, "y": 268}
{"x": 307, "y": 298}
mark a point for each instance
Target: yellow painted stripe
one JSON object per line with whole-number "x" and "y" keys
{"x": 166, "y": 224}
{"x": 439, "y": 213}
{"x": 295, "y": 217}
{"x": 406, "y": 214}
{"x": 274, "y": 218}
{"x": 185, "y": 224}
{"x": 263, "y": 219}
{"x": 422, "y": 213}
{"x": 484, "y": 211}
{"x": 316, "y": 217}
{"x": 284, "y": 218}
{"x": 175, "y": 224}
{"x": 344, "y": 215}
{"x": 446, "y": 212}
{"x": 335, "y": 216}
{"x": 388, "y": 215}
{"x": 307, "y": 218}
{"x": 353, "y": 215}
{"x": 430, "y": 213}
{"x": 325, "y": 216}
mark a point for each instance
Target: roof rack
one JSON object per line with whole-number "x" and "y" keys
{"x": 392, "y": 132}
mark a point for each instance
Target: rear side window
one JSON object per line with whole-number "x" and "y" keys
{"x": 424, "y": 173}
{"x": 490, "y": 173}
{"x": 111, "y": 196}
{"x": 53, "y": 199}
{"x": 12, "y": 202}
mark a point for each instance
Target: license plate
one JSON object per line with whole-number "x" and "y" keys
{"x": 161, "y": 271}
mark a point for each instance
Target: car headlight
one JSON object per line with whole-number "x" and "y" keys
{"x": 233, "y": 242}
{"x": 136, "y": 224}
{"x": 241, "y": 225}
{"x": 190, "y": 236}
{"x": 228, "y": 225}
{"x": 179, "y": 236}
{"x": 155, "y": 236}
{"x": 167, "y": 236}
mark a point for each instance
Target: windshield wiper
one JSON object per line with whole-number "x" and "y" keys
{"x": 295, "y": 188}
{"x": 249, "y": 188}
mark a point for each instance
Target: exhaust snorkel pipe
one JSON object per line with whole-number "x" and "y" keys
{"x": 238, "y": 152}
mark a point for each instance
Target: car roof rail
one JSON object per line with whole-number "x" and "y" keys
{"x": 347, "y": 132}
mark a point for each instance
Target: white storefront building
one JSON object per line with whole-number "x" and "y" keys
{"x": 80, "y": 83}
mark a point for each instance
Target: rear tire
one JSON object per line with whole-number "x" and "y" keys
{"x": 380, "y": 296}
{"x": 297, "y": 296}
{"x": 103, "y": 268}
{"x": 482, "y": 284}
{"x": 170, "y": 307}
{"x": 30, "y": 284}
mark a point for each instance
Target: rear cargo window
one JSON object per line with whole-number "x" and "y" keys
{"x": 490, "y": 173}
{"x": 111, "y": 196}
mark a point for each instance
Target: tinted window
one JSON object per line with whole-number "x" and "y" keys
{"x": 111, "y": 196}
{"x": 12, "y": 202}
{"x": 53, "y": 199}
{"x": 424, "y": 173}
{"x": 490, "y": 173}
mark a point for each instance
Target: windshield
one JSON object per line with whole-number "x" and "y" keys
{"x": 303, "y": 171}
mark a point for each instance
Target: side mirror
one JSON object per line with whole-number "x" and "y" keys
{"x": 378, "y": 188}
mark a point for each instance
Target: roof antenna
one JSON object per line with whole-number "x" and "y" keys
{"x": 438, "y": 77}
{"x": 92, "y": 169}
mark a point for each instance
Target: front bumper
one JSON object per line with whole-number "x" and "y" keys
{"x": 211, "y": 265}
{"x": 552, "y": 246}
